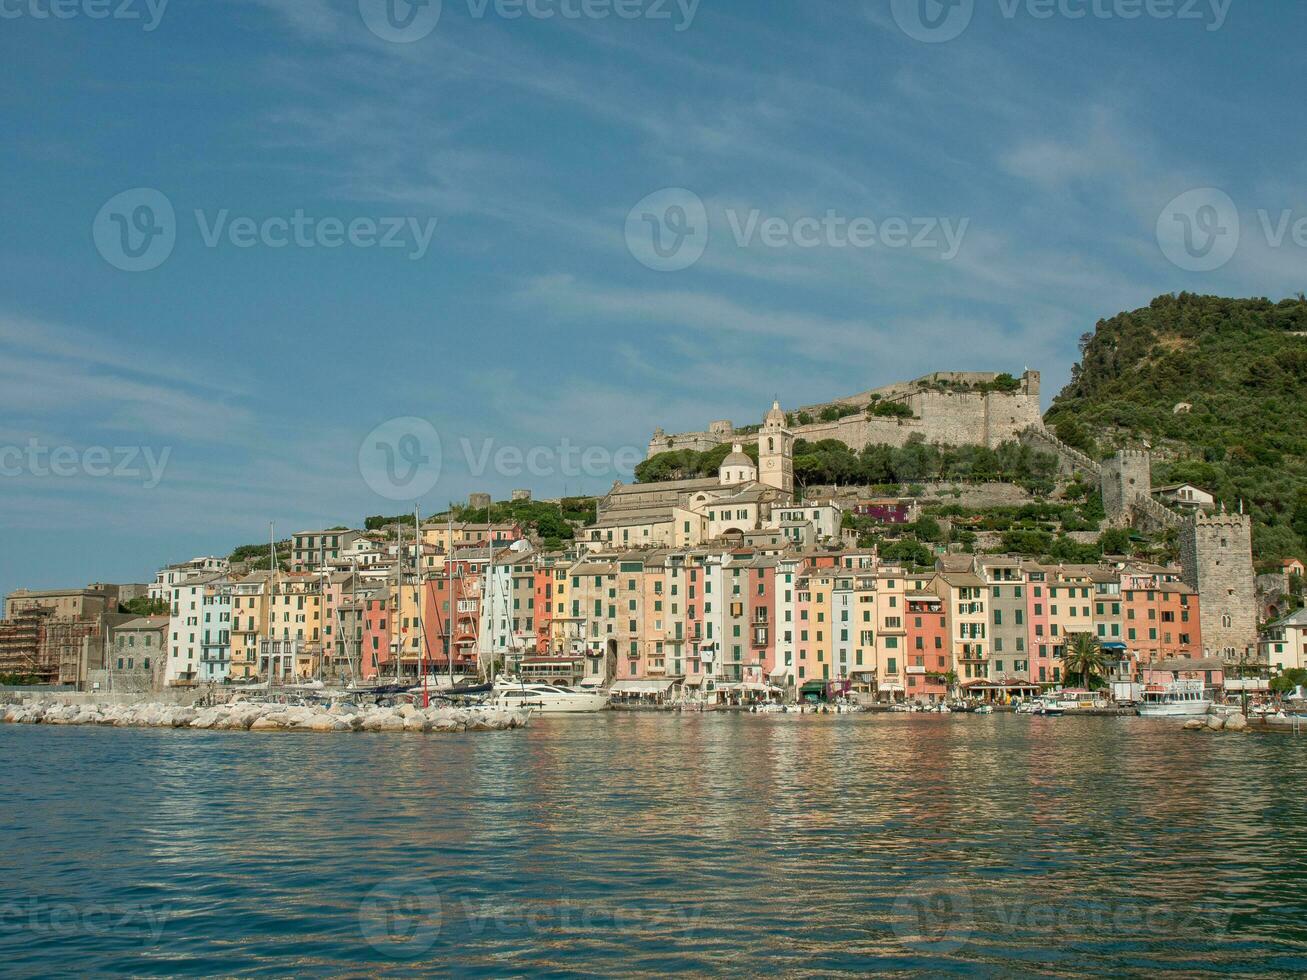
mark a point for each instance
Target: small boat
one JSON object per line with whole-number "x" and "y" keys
{"x": 1179, "y": 699}
{"x": 548, "y": 699}
{"x": 1049, "y": 704}
{"x": 985, "y": 709}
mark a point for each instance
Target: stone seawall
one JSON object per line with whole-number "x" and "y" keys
{"x": 258, "y": 716}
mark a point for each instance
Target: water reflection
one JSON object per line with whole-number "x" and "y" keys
{"x": 645, "y": 843}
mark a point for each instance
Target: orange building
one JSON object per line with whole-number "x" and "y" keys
{"x": 1161, "y": 622}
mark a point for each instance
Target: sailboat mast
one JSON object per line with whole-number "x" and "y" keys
{"x": 272, "y": 572}
{"x": 399, "y": 599}
{"x": 422, "y": 640}
{"x": 453, "y": 609}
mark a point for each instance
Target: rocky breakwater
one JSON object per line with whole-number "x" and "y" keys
{"x": 1217, "y": 723}
{"x": 255, "y": 716}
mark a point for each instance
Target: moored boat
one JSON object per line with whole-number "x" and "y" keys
{"x": 548, "y": 699}
{"x": 1178, "y": 699}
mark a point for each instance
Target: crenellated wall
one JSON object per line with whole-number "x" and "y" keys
{"x": 950, "y": 417}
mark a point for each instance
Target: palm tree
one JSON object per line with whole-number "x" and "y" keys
{"x": 1082, "y": 658}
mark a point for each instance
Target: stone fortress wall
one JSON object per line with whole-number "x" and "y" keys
{"x": 940, "y": 414}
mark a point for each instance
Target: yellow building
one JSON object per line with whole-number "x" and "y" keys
{"x": 965, "y": 597}
{"x": 249, "y": 624}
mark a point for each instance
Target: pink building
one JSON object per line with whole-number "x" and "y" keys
{"x": 1045, "y": 667}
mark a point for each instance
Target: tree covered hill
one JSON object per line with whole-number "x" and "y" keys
{"x": 1218, "y": 389}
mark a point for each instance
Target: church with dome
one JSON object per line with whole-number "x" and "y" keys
{"x": 744, "y": 497}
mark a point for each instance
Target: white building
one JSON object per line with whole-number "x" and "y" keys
{"x": 824, "y": 518}
{"x": 166, "y": 578}
{"x": 1284, "y": 644}
{"x": 185, "y": 640}
{"x": 1185, "y": 496}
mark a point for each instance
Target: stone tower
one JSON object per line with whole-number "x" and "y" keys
{"x": 776, "y": 452}
{"x": 1216, "y": 554}
{"x": 1128, "y": 473}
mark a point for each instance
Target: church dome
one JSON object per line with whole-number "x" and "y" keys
{"x": 737, "y": 468}
{"x": 738, "y": 457}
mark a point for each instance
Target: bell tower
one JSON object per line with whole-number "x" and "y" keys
{"x": 776, "y": 452}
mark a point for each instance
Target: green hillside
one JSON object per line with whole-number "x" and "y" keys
{"x": 1241, "y": 366}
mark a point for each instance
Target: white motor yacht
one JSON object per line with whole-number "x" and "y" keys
{"x": 548, "y": 699}
{"x": 1179, "y": 699}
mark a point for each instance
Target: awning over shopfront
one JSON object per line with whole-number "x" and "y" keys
{"x": 696, "y": 680}
{"x": 780, "y": 673}
{"x": 641, "y": 687}
{"x": 595, "y": 681}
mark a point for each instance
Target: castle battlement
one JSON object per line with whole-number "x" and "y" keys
{"x": 1239, "y": 522}
{"x": 954, "y": 408}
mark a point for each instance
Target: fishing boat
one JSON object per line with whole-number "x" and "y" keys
{"x": 548, "y": 699}
{"x": 1178, "y": 699}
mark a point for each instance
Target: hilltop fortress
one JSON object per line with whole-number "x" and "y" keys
{"x": 956, "y": 408}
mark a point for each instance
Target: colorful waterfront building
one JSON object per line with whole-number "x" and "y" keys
{"x": 928, "y": 654}
{"x": 249, "y": 623}
{"x": 967, "y": 608}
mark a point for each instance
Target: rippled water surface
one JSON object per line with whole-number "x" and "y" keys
{"x": 633, "y": 844}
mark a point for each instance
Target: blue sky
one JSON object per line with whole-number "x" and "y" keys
{"x": 1050, "y": 144}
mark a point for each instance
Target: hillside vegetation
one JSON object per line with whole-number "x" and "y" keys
{"x": 1218, "y": 389}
